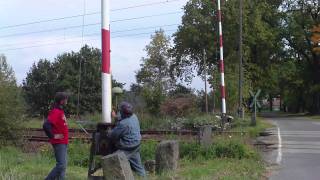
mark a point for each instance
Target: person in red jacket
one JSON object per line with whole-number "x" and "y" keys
{"x": 59, "y": 136}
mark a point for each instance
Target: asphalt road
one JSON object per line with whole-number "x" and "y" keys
{"x": 297, "y": 152}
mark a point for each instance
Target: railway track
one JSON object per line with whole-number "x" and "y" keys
{"x": 37, "y": 134}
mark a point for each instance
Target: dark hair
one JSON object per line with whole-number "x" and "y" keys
{"x": 59, "y": 97}
{"x": 126, "y": 109}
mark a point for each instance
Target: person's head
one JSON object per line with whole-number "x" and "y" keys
{"x": 61, "y": 98}
{"x": 126, "y": 109}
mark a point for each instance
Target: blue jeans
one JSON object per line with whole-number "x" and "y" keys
{"x": 58, "y": 172}
{"x": 135, "y": 161}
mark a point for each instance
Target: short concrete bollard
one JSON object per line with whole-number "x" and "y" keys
{"x": 205, "y": 136}
{"x": 116, "y": 167}
{"x": 167, "y": 156}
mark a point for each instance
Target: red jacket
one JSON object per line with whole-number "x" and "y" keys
{"x": 59, "y": 125}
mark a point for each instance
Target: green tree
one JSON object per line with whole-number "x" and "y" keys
{"x": 67, "y": 66}
{"x": 299, "y": 18}
{"x": 197, "y": 33}
{"x": 39, "y": 87}
{"x": 154, "y": 75}
{"x": 46, "y": 78}
{"x": 12, "y": 106}
{"x": 262, "y": 45}
{"x": 6, "y": 72}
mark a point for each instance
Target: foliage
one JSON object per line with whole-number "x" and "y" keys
{"x": 21, "y": 166}
{"x": 224, "y": 168}
{"x": 68, "y": 67}
{"x": 46, "y": 78}
{"x": 195, "y": 35}
{"x": 39, "y": 87}
{"x": 6, "y": 71}
{"x": 154, "y": 75}
{"x": 193, "y": 151}
{"x": 77, "y": 153}
{"x": 244, "y": 125}
{"x": 198, "y": 33}
{"x": 148, "y": 149}
{"x": 298, "y": 20}
{"x": 180, "y": 89}
{"x": 148, "y": 121}
{"x": 11, "y": 103}
{"x": 180, "y": 106}
{"x": 230, "y": 149}
{"x": 222, "y": 148}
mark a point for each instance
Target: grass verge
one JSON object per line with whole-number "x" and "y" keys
{"x": 20, "y": 166}
{"x": 228, "y": 158}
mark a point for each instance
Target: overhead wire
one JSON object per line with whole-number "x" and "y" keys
{"x": 92, "y": 24}
{"x": 79, "y": 40}
{"x": 85, "y": 25}
{"x": 148, "y": 16}
{"x": 93, "y": 34}
{"x": 81, "y": 15}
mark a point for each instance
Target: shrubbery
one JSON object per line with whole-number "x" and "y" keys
{"x": 221, "y": 149}
{"x": 191, "y": 151}
{"x": 179, "y": 106}
{"x": 11, "y": 104}
{"x": 78, "y": 152}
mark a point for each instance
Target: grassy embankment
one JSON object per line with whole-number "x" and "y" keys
{"x": 230, "y": 157}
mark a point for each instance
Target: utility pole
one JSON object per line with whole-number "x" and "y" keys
{"x": 240, "y": 108}
{"x": 205, "y": 79}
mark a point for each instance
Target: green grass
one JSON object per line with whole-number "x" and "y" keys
{"x": 221, "y": 168}
{"x": 20, "y": 166}
{"x": 253, "y": 131}
{"x": 230, "y": 157}
{"x": 37, "y": 123}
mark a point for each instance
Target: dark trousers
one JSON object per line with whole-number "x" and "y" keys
{"x": 60, "y": 153}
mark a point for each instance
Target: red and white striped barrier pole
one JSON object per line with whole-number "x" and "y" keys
{"x": 223, "y": 93}
{"x": 105, "y": 65}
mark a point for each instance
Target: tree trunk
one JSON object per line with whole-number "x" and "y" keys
{"x": 270, "y": 102}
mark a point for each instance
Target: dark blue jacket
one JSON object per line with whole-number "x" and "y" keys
{"x": 126, "y": 134}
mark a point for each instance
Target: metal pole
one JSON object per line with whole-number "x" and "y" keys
{"x": 80, "y": 61}
{"x": 223, "y": 94}
{"x": 205, "y": 80}
{"x": 106, "y": 69}
{"x": 240, "y": 61}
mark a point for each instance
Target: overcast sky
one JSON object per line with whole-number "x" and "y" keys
{"x": 24, "y": 45}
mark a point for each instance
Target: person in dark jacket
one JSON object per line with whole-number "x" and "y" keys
{"x": 58, "y": 129}
{"x": 126, "y": 137}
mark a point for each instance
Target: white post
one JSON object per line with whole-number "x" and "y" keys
{"x": 105, "y": 65}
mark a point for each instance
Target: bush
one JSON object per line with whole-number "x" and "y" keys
{"x": 11, "y": 104}
{"x": 231, "y": 149}
{"x": 195, "y": 151}
{"x": 148, "y": 149}
{"x": 178, "y": 106}
{"x": 78, "y": 153}
{"x": 198, "y": 121}
{"x": 148, "y": 121}
{"x": 222, "y": 149}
